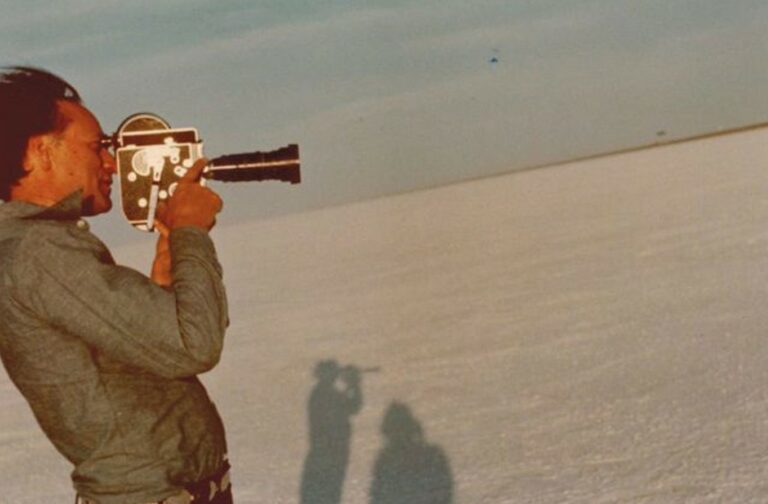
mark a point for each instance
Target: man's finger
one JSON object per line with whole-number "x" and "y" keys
{"x": 162, "y": 228}
{"x": 193, "y": 174}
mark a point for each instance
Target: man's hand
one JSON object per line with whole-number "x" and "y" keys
{"x": 191, "y": 203}
{"x": 161, "y": 267}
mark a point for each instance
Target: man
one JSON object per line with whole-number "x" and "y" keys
{"x": 106, "y": 357}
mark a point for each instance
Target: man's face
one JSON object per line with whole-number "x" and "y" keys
{"x": 79, "y": 161}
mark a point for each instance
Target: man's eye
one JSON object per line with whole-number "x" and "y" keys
{"x": 106, "y": 143}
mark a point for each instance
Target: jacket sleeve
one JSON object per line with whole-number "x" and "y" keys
{"x": 69, "y": 280}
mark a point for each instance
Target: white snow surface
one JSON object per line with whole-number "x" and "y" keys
{"x": 589, "y": 333}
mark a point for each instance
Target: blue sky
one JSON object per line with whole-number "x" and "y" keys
{"x": 385, "y": 97}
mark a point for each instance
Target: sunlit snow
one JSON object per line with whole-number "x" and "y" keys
{"x": 590, "y": 333}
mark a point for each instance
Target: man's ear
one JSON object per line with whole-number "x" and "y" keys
{"x": 38, "y": 154}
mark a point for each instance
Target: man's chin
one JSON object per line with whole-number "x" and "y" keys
{"x": 95, "y": 206}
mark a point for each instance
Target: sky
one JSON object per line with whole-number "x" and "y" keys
{"x": 388, "y": 97}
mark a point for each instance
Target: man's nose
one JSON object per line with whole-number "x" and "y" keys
{"x": 108, "y": 161}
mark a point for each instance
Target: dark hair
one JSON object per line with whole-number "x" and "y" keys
{"x": 28, "y": 107}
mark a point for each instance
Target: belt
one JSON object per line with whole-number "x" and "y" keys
{"x": 181, "y": 498}
{"x": 213, "y": 490}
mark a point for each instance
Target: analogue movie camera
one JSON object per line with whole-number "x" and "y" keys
{"x": 152, "y": 157}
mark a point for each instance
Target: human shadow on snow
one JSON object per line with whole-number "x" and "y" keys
{"x": 408, "y": 469}
{"x": 334, "y": 399}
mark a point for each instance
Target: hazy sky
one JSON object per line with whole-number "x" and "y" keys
{"x": 387, "y": 96}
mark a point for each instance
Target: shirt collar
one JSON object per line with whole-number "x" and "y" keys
{"x": 68, "y": 208}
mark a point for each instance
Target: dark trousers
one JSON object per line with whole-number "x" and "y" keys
{"x": 213, "y": 490}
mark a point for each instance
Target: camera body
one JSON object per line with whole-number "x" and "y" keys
{"x": 151, "y": 157}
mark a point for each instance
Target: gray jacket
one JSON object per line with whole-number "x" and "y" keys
{"x": 106, "y": 358}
